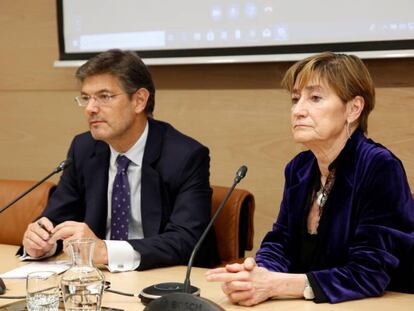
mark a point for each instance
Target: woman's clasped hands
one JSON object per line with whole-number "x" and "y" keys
{"x": 248, "y": 284}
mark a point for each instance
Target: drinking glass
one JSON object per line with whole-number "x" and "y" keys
{"x": 42, "y": 288}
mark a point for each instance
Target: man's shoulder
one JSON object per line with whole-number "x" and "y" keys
{"x": 84, "y": 137}
{"x": 175, "y": 156}
{"x": 85, "y": 144}
{"x": 84, "y": 140}
{"x": 171, "y": 137}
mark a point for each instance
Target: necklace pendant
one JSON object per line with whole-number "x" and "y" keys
{"x": 320, "y": 200}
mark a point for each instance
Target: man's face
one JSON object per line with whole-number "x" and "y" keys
{"x": 110, "y": 113}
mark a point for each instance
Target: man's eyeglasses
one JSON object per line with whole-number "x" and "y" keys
{"x": 101, "y": 99}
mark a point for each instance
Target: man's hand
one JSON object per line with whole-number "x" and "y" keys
{"x": 70, "y": 230}
{"x": 36, "y": 238}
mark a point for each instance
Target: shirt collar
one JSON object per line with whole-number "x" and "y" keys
{"x": 136, "y": 152}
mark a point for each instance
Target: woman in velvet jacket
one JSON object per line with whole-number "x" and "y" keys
{"x": 345, "y": 229}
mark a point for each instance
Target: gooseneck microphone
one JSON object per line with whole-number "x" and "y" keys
{"x": 167, "y": 296}
{"x": 241, "y": 172}
{"x": 64, "y": 164}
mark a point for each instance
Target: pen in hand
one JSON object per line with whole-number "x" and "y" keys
{"x": 44, "y": 228}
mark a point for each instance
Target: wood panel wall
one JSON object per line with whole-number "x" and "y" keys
{"x": 238, "y": 110}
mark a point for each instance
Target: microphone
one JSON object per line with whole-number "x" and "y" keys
{"x": 167, "y": 296}
{"x": 64, "y": 164}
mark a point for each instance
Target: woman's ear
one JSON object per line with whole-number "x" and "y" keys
{"x": 355, "y": 108}
{"x": 141, "y": 98}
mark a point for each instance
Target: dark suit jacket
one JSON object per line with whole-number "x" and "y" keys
{"x": 175, "y": 195}
{"x": 369, "y": 230}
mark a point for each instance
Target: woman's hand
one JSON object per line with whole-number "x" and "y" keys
{"x": 247, "y": 284}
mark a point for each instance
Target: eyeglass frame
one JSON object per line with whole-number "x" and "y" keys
{"x": 98, "y": 100}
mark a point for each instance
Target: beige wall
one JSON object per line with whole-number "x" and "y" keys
{"x": 239, "y": 111}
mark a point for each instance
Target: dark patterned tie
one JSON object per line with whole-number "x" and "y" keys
{"x": 121, "y": 201}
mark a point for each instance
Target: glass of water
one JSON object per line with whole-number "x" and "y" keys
{"x": 42, "y": 291}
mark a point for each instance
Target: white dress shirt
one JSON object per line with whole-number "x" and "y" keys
{"x": 121, "y": 255}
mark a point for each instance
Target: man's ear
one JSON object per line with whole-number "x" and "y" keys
{"x": 355, "y": 108}
{"x": 140, "y": 98}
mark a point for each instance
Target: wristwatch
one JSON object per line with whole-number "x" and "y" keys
{"x": 308, "y": 291}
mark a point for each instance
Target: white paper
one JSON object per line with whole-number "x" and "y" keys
{"x": 21, "y": 272}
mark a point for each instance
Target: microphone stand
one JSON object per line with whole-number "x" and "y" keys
{"x": 61, "y": 167}
{"x": 64, "y": 164}
{"x": 167, "y": 296}
{"x": 187, "y": 284}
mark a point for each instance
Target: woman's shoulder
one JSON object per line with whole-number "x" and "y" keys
{"x": 373, "y": 160}
{"x": 369, "y": 150}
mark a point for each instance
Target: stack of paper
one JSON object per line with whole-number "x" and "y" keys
{"x": 21, "y": 272}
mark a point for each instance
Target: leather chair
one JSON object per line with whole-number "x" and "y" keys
{"x": 14, "y": 220}
{"x": 234, "y": 225}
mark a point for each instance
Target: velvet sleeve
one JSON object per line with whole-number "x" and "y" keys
{"x": 384, "y": 215}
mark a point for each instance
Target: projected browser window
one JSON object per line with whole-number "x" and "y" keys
{"x": 97, "y": 25}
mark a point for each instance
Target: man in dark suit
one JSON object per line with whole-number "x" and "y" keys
{"x": 137, "y": 186}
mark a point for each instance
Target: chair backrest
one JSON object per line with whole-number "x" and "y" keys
{"x": 234, "y": 225}
{"x": 14, "y": 220}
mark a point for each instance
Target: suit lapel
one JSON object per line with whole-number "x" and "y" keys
{"x": 151, "y": 182}
{"x": 96, "y": 185}
{"x": 151, "y": 202}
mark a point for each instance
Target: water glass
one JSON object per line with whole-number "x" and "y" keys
{"x": 42, "y": 290}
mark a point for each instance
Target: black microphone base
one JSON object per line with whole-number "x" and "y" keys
{"x": 182, "y": 301}
{"x": 156, "y": 291}
{"x": 2, "y": 287}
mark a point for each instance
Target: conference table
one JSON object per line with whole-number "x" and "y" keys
{"x": 134, "y": 281}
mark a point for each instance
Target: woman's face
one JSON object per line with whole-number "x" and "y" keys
{"x": 318, "y": 115}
